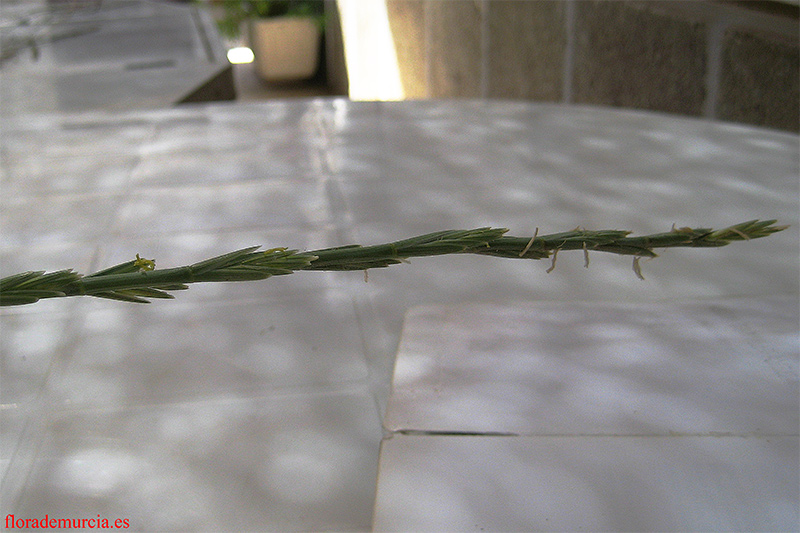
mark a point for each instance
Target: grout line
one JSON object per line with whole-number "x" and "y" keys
{"x": 485, "y": 48}
{"x": 442, "y": 433}
{"x": 389, "y": 433}
{"x": 569, "y": 52}
{"x": 714, "y": 35}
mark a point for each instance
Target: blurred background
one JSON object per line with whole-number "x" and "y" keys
{"x": 728, "y": 60}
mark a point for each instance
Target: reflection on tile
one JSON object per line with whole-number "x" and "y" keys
{"x": 197, "y": 134}
{"x": 30, "y": 221}
{"x": 89, "y": 135}
{"x": 20, "y": 430}
{"x": 29, "y": 344}
{"x": 676, "y": 274}
{"x": 483, "y": 483}
{"x": 31, "y": 340}
{"x": 58, "y": 255}
{"x": 299, "y": 204}
{"x": 222, "y": 464}
{"x": 177, "y": 405}
{"x": 727, "y": 366}
{"x": 175, "y": 169}
{"x": 392, "y": 204}
{"x": 170, "y": 351}
{"x": 41, "y": 176}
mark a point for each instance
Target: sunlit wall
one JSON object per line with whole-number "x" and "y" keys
{"x": 369, "y": 51}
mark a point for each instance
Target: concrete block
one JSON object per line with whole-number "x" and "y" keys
{"x": 526, "y": 49}
{"x": 454, "y": 30}
{"x": 407, "y": 22}
{"x": 629, "y": 55}
{"x": 759, "y": 80}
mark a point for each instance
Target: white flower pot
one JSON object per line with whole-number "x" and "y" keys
{"x": 285, "y": 48}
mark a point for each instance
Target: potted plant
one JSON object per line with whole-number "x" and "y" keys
{"x": 284, "y": 34}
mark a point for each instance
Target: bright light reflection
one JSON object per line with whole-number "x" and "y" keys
{"x": 372, "y": 69}
{"x": 240, "y": 54}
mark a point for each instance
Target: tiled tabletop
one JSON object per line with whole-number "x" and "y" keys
{"x": 260, "y": 406}
{"x": 599, "y": 416}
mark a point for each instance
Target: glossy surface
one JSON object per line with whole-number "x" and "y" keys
{"x": 86, "y": 55}
{"x": 594, "y": 416}
{"x": 260, "y": 405}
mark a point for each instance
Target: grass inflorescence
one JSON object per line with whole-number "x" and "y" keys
{"x": 138, "y": 279}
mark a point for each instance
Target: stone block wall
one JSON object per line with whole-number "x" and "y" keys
{"x": 734, "y": 61}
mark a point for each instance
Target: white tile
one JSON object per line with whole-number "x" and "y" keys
{"x": 30, "y": 221}
{"x": 32, "y": 337}
{"x": 20, "y": 430}
{"x": 483, "y": 483}
{"x": 199, "y": 404}
{"x": 194, "y": 133}
{"x": 45, "y": 136}
{"x": 31, "y": 341}
{"x": 49, "y": 256}
{"x": 727, "y": 366}
{"x": 179, "y": 168}
{"x": 277, "y": 115}
{"x": 417, "y": 209}
{"x": 123, "y": 354}
{"x": 241, "y": 205}
{"x": 757, "y": 267}
{"x": 52, "y": 175}
{"x": 299, "y": 462}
